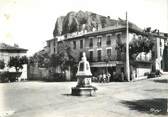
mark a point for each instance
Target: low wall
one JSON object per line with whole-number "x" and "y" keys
{"x": 142, "y": 71}
{"x": 36, "y": 73}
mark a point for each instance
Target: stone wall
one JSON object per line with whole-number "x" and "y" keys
{"x": 36, "y": 73}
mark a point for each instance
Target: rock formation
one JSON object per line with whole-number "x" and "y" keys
{"x": 78, "y": 21}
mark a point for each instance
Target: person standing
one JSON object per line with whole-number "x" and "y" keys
{"x": 122, "y": 76}
{"x": 108, "y": 77}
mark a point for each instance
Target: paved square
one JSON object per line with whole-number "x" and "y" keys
{"x": 143, "y": 98}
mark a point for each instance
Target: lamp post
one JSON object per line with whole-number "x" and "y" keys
{"x": 127, "y": 50}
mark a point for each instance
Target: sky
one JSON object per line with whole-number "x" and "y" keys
{"x": 29, "y": 23}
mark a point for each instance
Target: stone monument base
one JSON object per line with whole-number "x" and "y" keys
{"x": 84, "y": 91}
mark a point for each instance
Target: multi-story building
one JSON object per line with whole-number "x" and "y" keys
{"x": 100, "y": 47}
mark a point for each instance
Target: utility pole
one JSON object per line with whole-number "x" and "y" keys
{"x": 127, "y": 50}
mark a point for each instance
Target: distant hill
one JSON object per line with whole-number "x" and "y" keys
{"x": 78, "y": 21}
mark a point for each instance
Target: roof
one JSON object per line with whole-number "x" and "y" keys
{"x": 8, "y": 48}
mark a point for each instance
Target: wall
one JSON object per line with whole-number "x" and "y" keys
{"x": 95, "y": 48}
{"x": 36, "y": 73}
{"x": 52, "y": 44}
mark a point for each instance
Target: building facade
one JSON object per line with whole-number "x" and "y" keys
{"x": 7, "y": 51}
{"x": 101, "y": 50}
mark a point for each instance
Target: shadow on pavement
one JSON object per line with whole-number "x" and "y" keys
{"x": 161, "y": 81}
{"x": 158, "y": 90}
{"x": 156, "y": 106}
{"x": 67, "y": 94}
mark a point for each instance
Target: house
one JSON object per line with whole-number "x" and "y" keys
{"x": 7, "y": 51}
{"x": 100, "y": 47}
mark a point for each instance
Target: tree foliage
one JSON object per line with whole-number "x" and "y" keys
{"x": 2, "y": 64}
{"x": 63, "y": 58}
{"x": 17, "y": 62}
{"x": 40, "y": 58}
{"x": 165, "y": 58}
{"x": 137, "y": 46}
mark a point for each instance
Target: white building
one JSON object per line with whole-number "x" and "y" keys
{"x": 7, "y": 51}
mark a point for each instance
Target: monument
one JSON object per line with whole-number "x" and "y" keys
{"x": 84, "y": 79}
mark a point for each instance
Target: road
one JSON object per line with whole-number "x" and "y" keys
{"x": 145, "y": 98}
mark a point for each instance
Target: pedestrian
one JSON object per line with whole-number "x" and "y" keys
{"x": 122, "y": 76}
{"x": 104, "y": 77}
{"x": 99, "y": 78}
{"x": 108, "y": 77}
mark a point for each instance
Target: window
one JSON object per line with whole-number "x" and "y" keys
{"x": 160, "y": 43}
{"x": 161, "y": 64}
{"x": 81, "y": 44}
{"x": 91, "y": 55}
{"x": 74, "y": 44}
{"x": 108, "y": 40}
{"x": 99, "y": 55}
{"x": 48, "y": 43}
{"x": 80, "y": 55}
{"x": 119, "y": 38}
{"x": 122, "y": 69}
{"x": 108, "y": 52}
{"x": 91, "y": 42}
{"x": 99, "y": 41}
{"x": 54, "y": 50}
{"x": 54, "y": 43}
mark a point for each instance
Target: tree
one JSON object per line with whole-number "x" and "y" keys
{"x": 63, "y": 58}
{"x": 2, "y": 64}
{"x": 165, "y": 57}
{"x": 17, "y": 62}
{"x": 137, "y": 46}
{"x": 41, "y": 58}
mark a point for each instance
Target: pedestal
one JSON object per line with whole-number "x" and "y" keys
{"x": 84, "y": 87}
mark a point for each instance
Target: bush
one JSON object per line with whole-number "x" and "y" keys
{"x": 151, "y": 75}
{"x": 2, "y": 64}
{"x": 13, "y": 76}
{"x": 158, "y": 73}
{"x": 3, "y": 77}
{"x": 9, "y": 76}
{"x": 146, "y": 73}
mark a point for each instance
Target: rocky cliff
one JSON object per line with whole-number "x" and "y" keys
{"x": 78, "y": 21}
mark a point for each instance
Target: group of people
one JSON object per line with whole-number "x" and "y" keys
{"x": 106, "y": 77}
{"x": 102, "y": 78}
